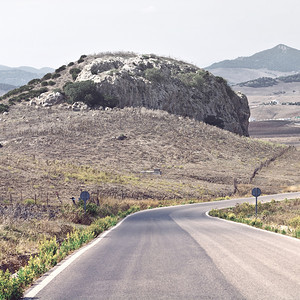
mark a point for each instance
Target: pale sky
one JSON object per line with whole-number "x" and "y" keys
{"x": 51, "y": 33}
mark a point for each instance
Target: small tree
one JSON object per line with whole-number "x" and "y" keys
{"x": 85, "y": 91}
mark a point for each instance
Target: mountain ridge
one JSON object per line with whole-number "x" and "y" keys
{"x": 18, "y": 76}
{"x": 279, "y": 58}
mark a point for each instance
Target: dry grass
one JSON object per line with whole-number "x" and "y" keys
{"x": 49, "y": 151}
{"x": 20, "y": 238}
{"x": 278, "y": 216}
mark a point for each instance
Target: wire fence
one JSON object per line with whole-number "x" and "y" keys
{"x": 45, "y": 198}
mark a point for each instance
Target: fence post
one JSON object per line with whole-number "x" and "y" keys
{"x": 97, "y": 200}
{"x": 35, "y": 199}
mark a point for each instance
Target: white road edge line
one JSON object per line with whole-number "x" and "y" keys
{"x": 249, "y": 226}
{"x": 52, "y": 273}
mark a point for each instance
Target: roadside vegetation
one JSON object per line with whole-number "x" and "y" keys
{"x": 30, "y": 247}
{"x": 277, "y": 216}
{"x": 50, "y": 241}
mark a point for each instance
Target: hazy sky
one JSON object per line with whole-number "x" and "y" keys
{"x": 54, "y": 32}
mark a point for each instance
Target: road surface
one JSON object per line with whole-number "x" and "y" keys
{"x": 181, "y": 253}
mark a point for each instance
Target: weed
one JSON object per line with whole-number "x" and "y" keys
{"x": 274, "y": 216}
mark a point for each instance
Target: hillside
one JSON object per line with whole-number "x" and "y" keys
{"x": 278, "y": 61}
{"x": 4, "y": 88}
{"x": 20, "y": 75}
{"x": 280, "y": 58}
{"x": 126, "y": 79}
{"x": 273, "y": 99}
{"x": 53, "y": 150}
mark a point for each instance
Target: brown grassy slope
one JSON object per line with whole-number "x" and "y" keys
{"x": 52, "y": 150}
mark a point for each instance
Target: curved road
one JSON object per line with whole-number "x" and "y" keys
{"x": 181, "y": 253}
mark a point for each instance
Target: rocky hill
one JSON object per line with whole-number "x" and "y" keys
{"x": 126, "y": 79}
{"x": 278, "y": 61}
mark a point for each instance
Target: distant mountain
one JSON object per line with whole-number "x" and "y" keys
{"x": 267, "y": 81}
{"x": 280, "y": 58}
{"x": 21, "y": 75}
{"x": 4, "y": 88}
{"x": 278, "y": 61}
{"x": 28, "y": 69}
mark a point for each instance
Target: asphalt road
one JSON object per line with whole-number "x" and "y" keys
{"x": 181, "y": 253}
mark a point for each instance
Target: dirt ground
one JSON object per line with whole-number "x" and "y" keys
{"x": 276, "y": 131}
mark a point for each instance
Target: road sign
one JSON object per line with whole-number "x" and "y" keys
{"x": 256, "y": 192}
{"x": 85, "y": 196}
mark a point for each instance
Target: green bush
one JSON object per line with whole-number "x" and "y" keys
{"x": 74, "y": 72}
{"x": 154, "y": 75}
{"x": 86, "y": 91}
{"x": 34, "y": 81}
{"x": 29, "y": 95}
{"x": 47, "y": 76}
{"x": 192, "y": 79}
{"x": 55, "y": 75}
{"x": 16, "y": 91}
{"x": 9, "y": 286}
{"x": 44, "y": 83}
{"x": 60, "y": 69}
{"x": 3, "y": 108}
{"x": 295, "y": 222}
{"x": 70, "y": 64}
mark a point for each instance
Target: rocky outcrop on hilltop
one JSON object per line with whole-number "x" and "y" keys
{"x": 166, "y": 84}
{"x": 130, "y": 80}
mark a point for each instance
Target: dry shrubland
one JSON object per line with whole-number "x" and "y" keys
{"x": 49, "y": 155}
{"x": 50, "y": 151}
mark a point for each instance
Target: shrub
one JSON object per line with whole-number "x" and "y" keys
{"x": 55, "y": 75}
{"x": 16, "y": 91}
{"x": 192, "y": 79}
{"x": 27, "y": 96}
{"x": 9, "y": 286}
{"x": 44, "y": 83}
{"x": 154, "y": 75}
{"x": 3, "y": 108}
{"x": 60, "y": 69}
{"x": 70, "y": 64}
{"x": 295, "y": 222}
{"x": 231, "y": 217}
{"x": 74, "y": 72}
{"x": 47, "y": 76}
{"x": 34, "y": 81}
{"x": 51, "y": 82}
{"x": 85, "y": 91}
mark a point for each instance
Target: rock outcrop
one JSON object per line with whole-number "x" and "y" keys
{"x": 163, "y": 83}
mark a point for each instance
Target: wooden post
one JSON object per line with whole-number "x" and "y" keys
{"x": 97, "y": 200}
{"x": 10, "y": 198}
{"x": 47, "y": 199}
{"x": 35, "y": 199}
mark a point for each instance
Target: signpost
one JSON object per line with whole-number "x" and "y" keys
{"x": 256, "y": 192}
{"x": 85, "y": 196}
